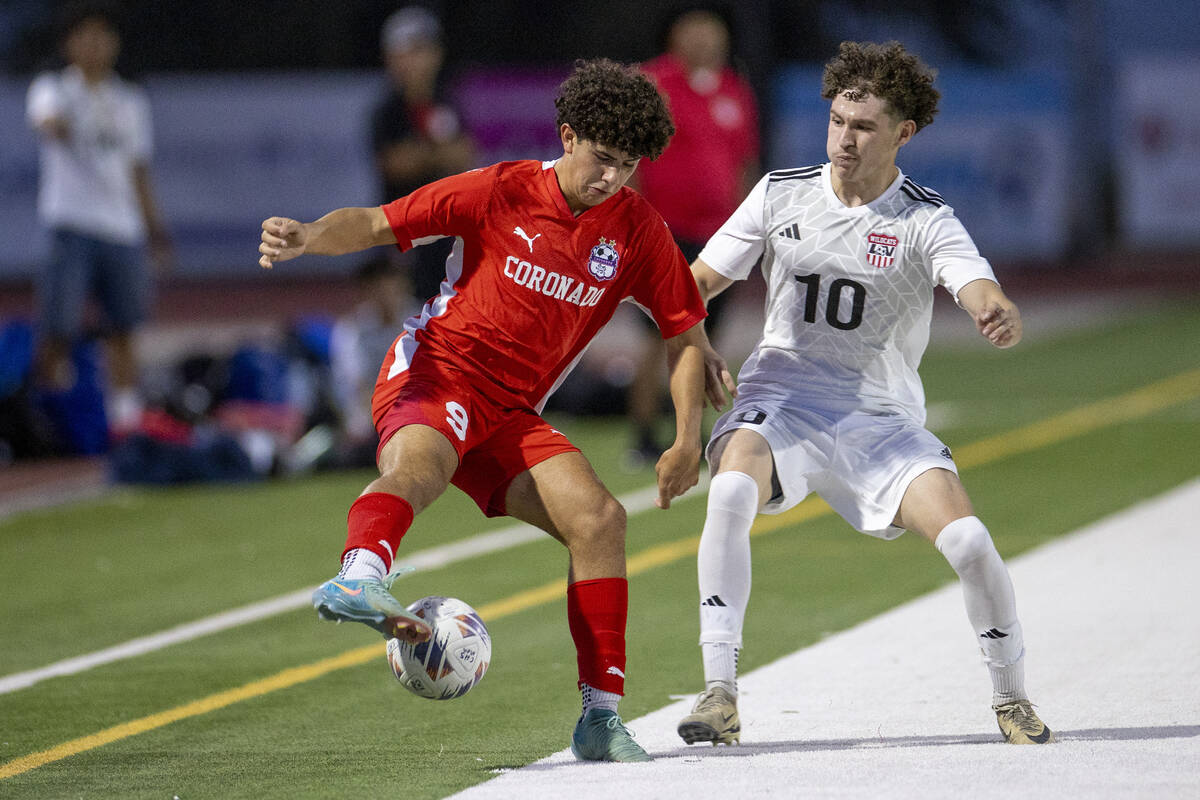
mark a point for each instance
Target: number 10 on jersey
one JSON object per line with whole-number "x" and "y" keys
{"x": 833, "y": 306}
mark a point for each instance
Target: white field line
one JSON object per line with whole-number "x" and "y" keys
{"x": 899, "y": 706}
{"x": 635, "y": 502}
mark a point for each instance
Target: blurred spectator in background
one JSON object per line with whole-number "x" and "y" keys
{"x": 710, "y": 165}
{"x": 416, "y": 135}
{"x": 358, "y": 344}
{"x": 96, "y": 201}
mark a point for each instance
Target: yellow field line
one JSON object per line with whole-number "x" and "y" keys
{"x": 1084, "y": 419}
{"x": 1141, "y": 402}
{"x": 281, "y": 680}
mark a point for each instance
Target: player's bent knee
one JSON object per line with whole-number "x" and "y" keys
{"x": 598, "y": 528}
{"x": 611, "y": 517}
{"x": 964, "y": 541}
{"x": 734, "y": 492}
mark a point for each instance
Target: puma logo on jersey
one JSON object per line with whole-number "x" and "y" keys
{"x": 519, "y": 231}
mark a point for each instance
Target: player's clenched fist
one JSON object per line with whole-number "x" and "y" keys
{"x": 282, "y": 238}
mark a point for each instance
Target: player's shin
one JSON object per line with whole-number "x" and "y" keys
{"x": 723, "y": 565}
{"x": 596, "y": 612}
{"x": 991, "y": 606}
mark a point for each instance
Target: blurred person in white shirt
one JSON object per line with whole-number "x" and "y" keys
{"x": 96, "y": 202}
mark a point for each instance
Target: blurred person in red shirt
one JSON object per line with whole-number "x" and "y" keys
{"x": 710, "y": 165}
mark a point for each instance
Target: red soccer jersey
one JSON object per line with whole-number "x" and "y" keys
{"x": 697, "y": 182}
{"x": 534, "y": 283}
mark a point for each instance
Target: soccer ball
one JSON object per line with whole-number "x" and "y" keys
{"x": 451, "y": 661}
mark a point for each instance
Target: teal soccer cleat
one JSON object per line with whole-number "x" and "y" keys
{"x": 368, "y": 600}
{"x": 600, "y": 736}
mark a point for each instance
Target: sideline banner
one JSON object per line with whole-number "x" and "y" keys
{"x": 1158, "y": 152}
{"x": 995, "y": 151}
{"x": 20, "y": 239}
{"x": 229, "y": 150}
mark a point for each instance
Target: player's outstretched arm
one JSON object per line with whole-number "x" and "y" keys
{"x": 996, "y": 317}
{"x": 346, "y": 230}
{"x": 679, "y": 467}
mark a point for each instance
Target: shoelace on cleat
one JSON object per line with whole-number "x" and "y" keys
{"x": 708, "y": 701}
{"x": 1023, "y": 717}
{"x": 614, "y": 722}
{"x": 622, "y": 746}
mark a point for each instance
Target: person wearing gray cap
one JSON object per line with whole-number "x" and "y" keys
{"x": 416, "y": 134}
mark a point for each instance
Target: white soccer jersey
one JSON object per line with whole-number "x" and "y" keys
{"x": 849, "y": 290}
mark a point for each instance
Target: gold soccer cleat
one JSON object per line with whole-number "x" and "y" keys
{"x": 1020, "y": 725}
{"x": 714, "y": 719}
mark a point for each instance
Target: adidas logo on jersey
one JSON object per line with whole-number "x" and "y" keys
{"x": 791, "y": 232}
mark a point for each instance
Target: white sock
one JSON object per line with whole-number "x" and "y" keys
{"x": 991, "y": 606}
{"x": 598, "y": 698}
{"x": 723, "y": 565}
{"x": 362, "y": 563}
{"x": 720, "y": 665}
{"x": 1008, "y": 682}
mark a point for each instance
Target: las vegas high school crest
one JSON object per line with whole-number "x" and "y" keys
{"x": 881, "y": 249}
{"x": 602, "y": 262}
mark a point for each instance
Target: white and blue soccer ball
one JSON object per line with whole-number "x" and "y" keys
{"x": 452, "y": 660}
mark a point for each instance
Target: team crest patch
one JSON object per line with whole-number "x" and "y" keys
{"x": 881, "y": 249}
{"x": 602, "y": 262}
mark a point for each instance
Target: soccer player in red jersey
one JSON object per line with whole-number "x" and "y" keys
{"x": 544, "y": 252}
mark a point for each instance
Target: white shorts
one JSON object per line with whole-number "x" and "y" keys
{"x": 859, "y": 463}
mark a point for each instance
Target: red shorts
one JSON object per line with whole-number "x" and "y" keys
{"x": 495, "y": 443}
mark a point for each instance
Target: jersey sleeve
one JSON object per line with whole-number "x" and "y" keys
{"x": 954, "y": 260}
{"x": 451, "y": 206}
{"x": 667, "y": 289}
{"x": 736, "y": 246}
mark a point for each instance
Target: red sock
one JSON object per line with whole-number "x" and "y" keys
{"x": 377, "y": 522}
{"x": 596, "y": 612}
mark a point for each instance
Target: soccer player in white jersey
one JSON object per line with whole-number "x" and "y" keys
{"x": 830, "y": 400}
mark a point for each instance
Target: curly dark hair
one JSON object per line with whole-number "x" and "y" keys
{"x": 887, "y": 71}
{"x": 616, "y": 106}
